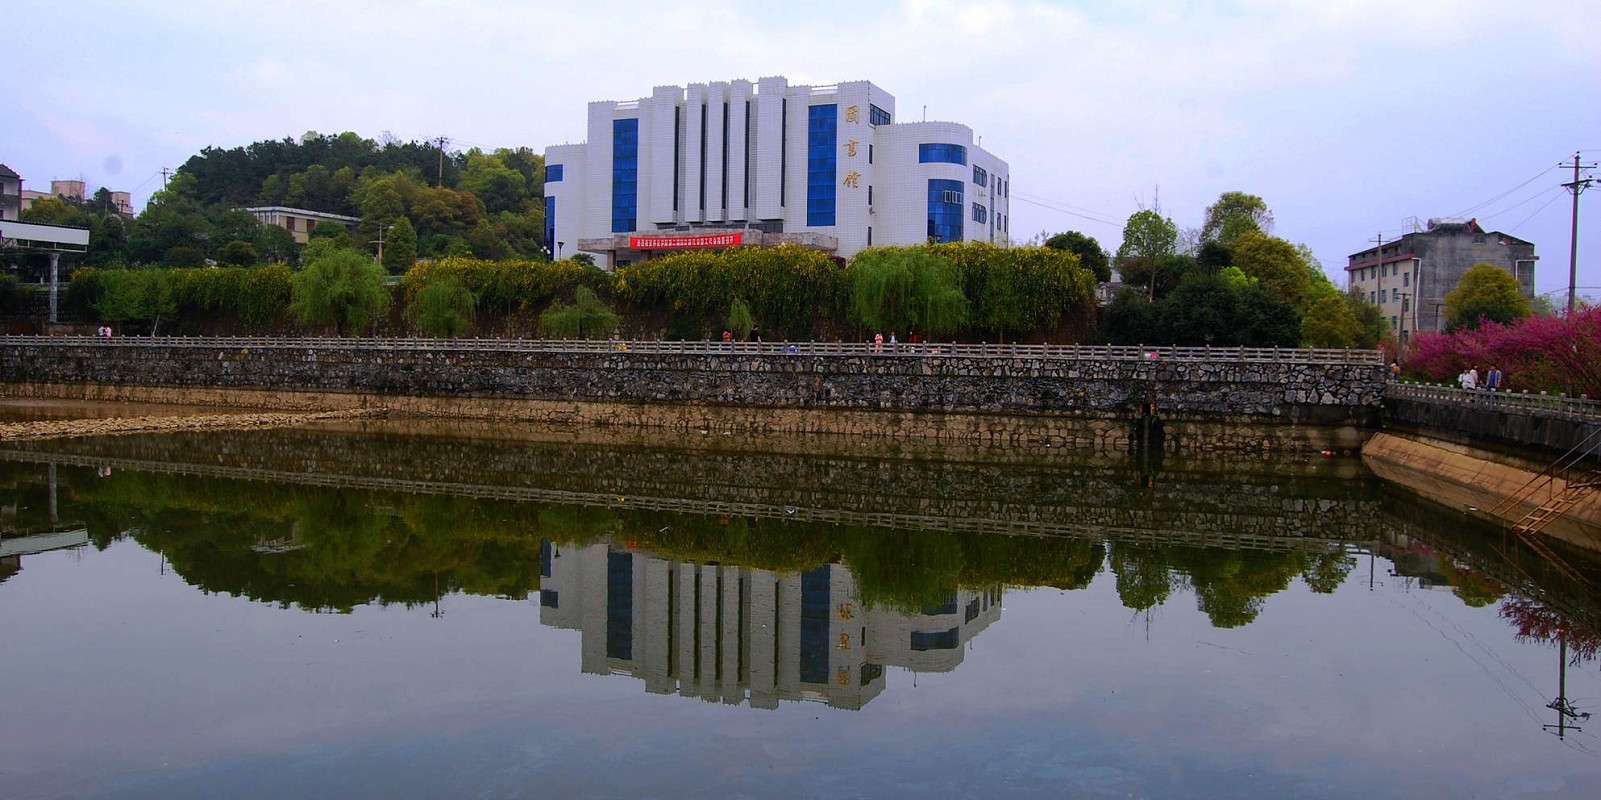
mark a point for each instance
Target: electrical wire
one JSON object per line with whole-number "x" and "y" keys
{"x": 1471, "y": 209}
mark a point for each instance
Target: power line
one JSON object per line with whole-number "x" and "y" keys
{"x": 1063, "y": 208}
{"x": 1471, "y": 209}
{"x": 1537, "y": 211}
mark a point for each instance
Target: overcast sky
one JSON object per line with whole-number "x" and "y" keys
{"x": 1350, "y": 117}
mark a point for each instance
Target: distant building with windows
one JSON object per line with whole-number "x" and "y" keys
{"x": 10, "y": 193}
{"x": 714, "y": 165}
{"x": 1408, "y": 278}
{"x": 299, "y": 221}
{"x": 76, "y": 191}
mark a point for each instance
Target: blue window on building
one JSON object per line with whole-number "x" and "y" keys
{"x": 979, "y": 213}
{"x": 552, "y": 173}
{"x": 942, "y": 154}
{"x": 549, "y": 598}
{"x": 822, "y": 142}
{"x": 980, "y": 176}
{"x": 876, "y": 116}
{"x": 815, "y": 598}
{"x": 620, "y": 605}
{"x": 945, "y": 206}
{"x": 550, "y": 226}
{"x": 937, "y": 640}
{"x": 624, "y": 174}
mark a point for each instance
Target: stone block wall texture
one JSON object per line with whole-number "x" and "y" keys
{"x": 1486, "y": 424}
{"x": 956, "y": 397}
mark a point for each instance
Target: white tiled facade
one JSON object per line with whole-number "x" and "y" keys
{"x": 733, "y": 634}
{"x": 755, "y": 157}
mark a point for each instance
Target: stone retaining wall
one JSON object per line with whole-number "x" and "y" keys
{"x": 1045, "y": 400}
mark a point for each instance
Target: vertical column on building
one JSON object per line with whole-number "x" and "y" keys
{"x": 768, "y": 134}
{"x": 594, "y": 212}
{"x": 655, "y": 626}
{"x": 789, "y": 644}
{"x": 656, "y": 155}
{"x": 695, "y": 113}
{"x": 763, "y": 636}
{"x": 707, "y": 631}
{"x": 739, "y": 96}
{"x": 730, "y": 635}
{"x": 716, "y": 149}
{"x": 684, "y": 628}
{"x": 592, "y": 586}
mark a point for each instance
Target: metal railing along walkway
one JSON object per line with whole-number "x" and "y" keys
{"x": 839, "y": 349}
{"x": 1540, "y": 403}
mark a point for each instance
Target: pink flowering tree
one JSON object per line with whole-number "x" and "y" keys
{"x": 1552, "y": 354}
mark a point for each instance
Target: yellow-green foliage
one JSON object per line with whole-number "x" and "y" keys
{"x": 501, "y": 286}
{"x": 1018, "y": 290}
{"x": 253, "y": 296}
{"x": 787, "y": 287}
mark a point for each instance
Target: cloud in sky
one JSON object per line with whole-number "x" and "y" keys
{"x": 1348, "y": 116}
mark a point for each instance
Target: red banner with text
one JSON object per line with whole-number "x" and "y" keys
{"x": 670, "y": 242}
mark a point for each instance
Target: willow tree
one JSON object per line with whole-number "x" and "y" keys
{"x": 586, "y": 318}
{"x": 906, "y": 289}
{"x": 443, "y": 308}
{"x": 340, "y": 287}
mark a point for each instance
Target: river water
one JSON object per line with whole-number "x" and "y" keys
{"x": 369, "y": 609}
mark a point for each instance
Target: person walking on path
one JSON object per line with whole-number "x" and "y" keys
{"x": 1492, "y": 379}
{"x": 878, "y": 343}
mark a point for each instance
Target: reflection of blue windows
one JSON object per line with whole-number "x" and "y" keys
{"x": 942, "y": 154}
{"x": 947, "y": 607}
{"x": 552, "y": 173}
{"x": 980, "y": 176}
{"x": 940, "y": 640}
{"x": 624, "y": 174}
{"x": 550, "y": 224}
{"x": 620, "y": 605}
{"x": 548, "y": 598}
{"x": 945, "y": 207}
{"x": 822, "y": 139}
{"x": 814, "y": 625}
{"x": 547, "y": 551}
{"x": 877, "y": 116}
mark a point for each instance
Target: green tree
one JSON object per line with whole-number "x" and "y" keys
{"x": 1089, "y": 252}
{"x": 1331, "y": 323}
{"x": 1276, "y": 263}
{"x": 238, "y": 253}
{"x": 334, "y": 232}
{"x": 338, "y": 287}
{"x": 906, "y": 289}
{"x": 740, "y": 323}
{"x": 1233, "y": 214}
{"x": 1370, "y": 319}
{"x": 1147, "y": 238}
{"x": 1485, "y": 292}
{"x": 443, "y": 307}
{"x": 586, "y": 318}
{"x": 400, "y": 247}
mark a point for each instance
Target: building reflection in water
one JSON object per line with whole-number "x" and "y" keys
{"x": 733, "y": 634}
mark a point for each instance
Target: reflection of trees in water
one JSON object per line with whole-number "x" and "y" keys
{"x": 334, "y": 549}
{"x": 1538, "y": 622}
{"x": 1230, "y": 586}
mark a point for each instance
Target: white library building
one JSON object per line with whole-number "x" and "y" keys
{"x": 715, "y": 165}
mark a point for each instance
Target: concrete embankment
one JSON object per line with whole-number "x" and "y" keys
{"x": 110, "y": 426}
{"x": 1475, "y": 479}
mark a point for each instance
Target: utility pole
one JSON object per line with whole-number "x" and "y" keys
{"x": 380, "y": 240}
{"x": 1575, "y": 188}
{"x": 164, "y": 173}
{"x": 442, "y": 142}
{"x": 1378, "y": 257}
